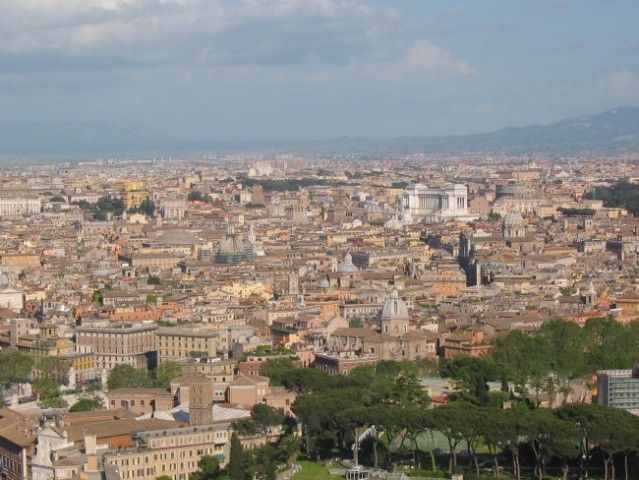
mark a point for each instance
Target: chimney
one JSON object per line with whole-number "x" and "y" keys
{"x": 90, "y": 448}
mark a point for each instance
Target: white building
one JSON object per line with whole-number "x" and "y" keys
{"x": 49, "y": 442}
{"x": 438, "y": 204}
{"x": 19, "y": 206}
{"x": 12, "y": 299}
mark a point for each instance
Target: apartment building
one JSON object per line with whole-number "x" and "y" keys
{"x": 174, "y": 452}
{"x": 619, "y": 388}
{"x": 179, "y": 344}
{"x": 127, "y": 344}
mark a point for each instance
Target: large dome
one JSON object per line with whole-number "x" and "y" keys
{"x": 514, "y": 219}
{"x": 395, "y": 308}
{"x": 230, "y": 244}
{"x": 231, "y": 248}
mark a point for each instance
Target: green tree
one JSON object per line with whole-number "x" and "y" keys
{"x": 209, "y": 468}
{"x": 470, "y": 423}
{"x": 351, "y": 421}
{"x": 472, "y": 375}
{"x": 87, "y": 404}
{"x": 236, "y": 464}
{"x": 277, "y": 370}
{"x": 319, "y": 412}
{"x": 623, "y": 194}
{"x": 413, "y": 421}
{"x": 15, "y": 367}
{"x": 112, "y": 205}
{"x": 547, "y": 434}
{"x": 266, "y": 416}
{"x": 125, "y": 376}
{"x": 53, "y": 402}
{"x": 513, "y": 432}
{"x": 47, "y": 388}
{"x": 306, "y": 380}
{"x": 408, "y": 390}
{"x": 261, "y": 462}
{"x": 355, "y": 322}
{"x": 522, "y": 356}
{"x": 97, "y": 297}
{"x": 53, "y": 368}
{"x": 384, "y": 418}
{"x": 147, "y": 207}
{"x": 446, "y": 422}
{"x": 289, "y": 448}
{"x": 166, "y": 372}
{"x": 495, "y": 434}
{"x": 566, "y": 342}
{"x": 49, "y": 394}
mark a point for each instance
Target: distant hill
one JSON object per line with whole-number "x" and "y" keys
{"x": 612, "y": 132}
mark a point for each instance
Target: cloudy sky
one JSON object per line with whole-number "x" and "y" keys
{"x": 315, "y": 69}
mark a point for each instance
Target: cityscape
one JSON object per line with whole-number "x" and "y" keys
{"x": 319, "y": 239}
{"x": 149, "y": 299}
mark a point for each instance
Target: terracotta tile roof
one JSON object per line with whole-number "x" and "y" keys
{"x": 115, "y": 428}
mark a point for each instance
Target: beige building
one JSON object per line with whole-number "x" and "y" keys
{"x": 19, "y": 205}
{"x": 17, "y": 444}
{"x": 134, "y": 345}
{"x": 140, "y": 400}
{"x": 179, "y": 344}
{"x": 161, "y": 261}
{"x": 248, "y": 389}
{"x": 174, "y": 452}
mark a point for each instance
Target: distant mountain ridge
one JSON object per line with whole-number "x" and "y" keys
{"x": 615, "y": 131}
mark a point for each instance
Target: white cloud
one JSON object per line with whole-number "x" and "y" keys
{"x": 424, "y": 55}
{"x": 323, "y": 36}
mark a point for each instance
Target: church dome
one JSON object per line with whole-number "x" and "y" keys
{"x": 324, "y": 283}
{"x": 231, "y": 248}
{"x": 347, "y": 265}
{"x": 395, "y": 308}
{"x": 514, "y": 219}
{"x": 514, "y": 226}
{"x": 230, "y": 245}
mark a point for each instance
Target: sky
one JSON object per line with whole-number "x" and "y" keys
{"x": 217, "y": 70}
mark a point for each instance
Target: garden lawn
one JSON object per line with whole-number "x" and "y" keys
{"x": 313, "y": 471}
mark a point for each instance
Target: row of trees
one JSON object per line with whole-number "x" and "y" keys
{"x": 125, "y": 376}
{"x": 387, "y": 406}
{"x": 15, "y": 367}
{"x": 104, "y": 207}
{"x": 196, "y": 196}
{"x": 331, "y": 408}
{"x": 568, "y": 350}
{"x": 289, "y": 184}
{"x": 570, "y": 438}
{"x": 546, "y": 360}
{"x": 623, "y": 194}
{"x": 114, "y": 206}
